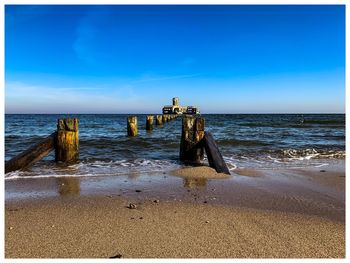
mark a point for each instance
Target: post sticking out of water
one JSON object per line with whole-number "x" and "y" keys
{"x": 215, "y": 158}
{"x": 159, "y": 120}
{"x": 191, "y": 146}
{"x": 132, "y": 126}
{"x": 67, "y": 142}
{"x": 149, "y": 122}
{"x": 164, "y": 120}
{"x": 32, "y": 155}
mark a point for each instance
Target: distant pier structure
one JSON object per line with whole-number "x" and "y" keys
{"x": 177, "y": 109}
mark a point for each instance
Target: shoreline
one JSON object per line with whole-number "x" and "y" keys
{"x": 279, "y": 213}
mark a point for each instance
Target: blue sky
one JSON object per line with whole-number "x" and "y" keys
{"x": 134, "y": 59}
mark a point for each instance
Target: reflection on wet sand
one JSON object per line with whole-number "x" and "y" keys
{"x": 68, "y": 185}
{"x": 134, "y": 175}
{"x": 194, "y": 182}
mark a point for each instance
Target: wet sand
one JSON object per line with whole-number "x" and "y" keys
{"x": 199, "y": 172}
{"x": 283, "y": 214}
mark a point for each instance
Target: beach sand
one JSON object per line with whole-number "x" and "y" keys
{"x": 281, "y": 214}
{"x": 199, "y": 172}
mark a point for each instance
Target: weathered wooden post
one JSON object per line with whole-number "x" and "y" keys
{"x": 132, "y": 126}
{"x": 159, "y": 120}
{"x": 32, "y": 155}
{"x": 149, "y": 122}
{"x": 67, "y": 142}
{"x": 191, "y": 146}
{"x": 164, "y": 120}
{"x": 215, "y": 158}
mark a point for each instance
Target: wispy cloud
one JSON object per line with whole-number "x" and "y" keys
{"x": 148, "y": 78}
{"x": 23, "y": 98}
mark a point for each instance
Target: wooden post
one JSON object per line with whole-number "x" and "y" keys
{"x": 149, "y": 122}
{"x": 164, "y": 120}
{"x": 214, "y": 156}
{"x": 132, "y": 126}
{"x": 32, "y": 155}
{"x": 67, "y": 143}
{"x": 159, "y": 120}
{"x": 191, "y": 146}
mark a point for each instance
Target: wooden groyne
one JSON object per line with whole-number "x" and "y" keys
{"x": 191, "y": 146}
{"x": 159, "y": 120}
{"x": 214, "y": 156}
{"x": 132, "y": 126}
{"x": 132, "y": 123}
{"x": 149, "y": 122}
{"x": 194, "y": 140}
{"x": 32, "y": 155}
{"x": 65, "y": 142}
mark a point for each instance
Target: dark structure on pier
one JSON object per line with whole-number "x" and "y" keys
{"x": 177, "y": 109}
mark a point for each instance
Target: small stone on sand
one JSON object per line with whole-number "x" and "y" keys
{"x": 132, "y": 206}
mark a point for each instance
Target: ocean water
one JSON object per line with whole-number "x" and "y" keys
{"x": 245, "y": 140}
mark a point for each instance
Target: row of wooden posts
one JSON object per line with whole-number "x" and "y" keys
{"x": 132, "y": 127}
{"x": 65, "y": 142}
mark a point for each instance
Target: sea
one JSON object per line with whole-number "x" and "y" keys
{"x": 258, "y": 141}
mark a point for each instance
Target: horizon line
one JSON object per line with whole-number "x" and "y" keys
{"x": 261, "y": 113}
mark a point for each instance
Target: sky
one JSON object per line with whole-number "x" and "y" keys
{"x": 134, "y": 59}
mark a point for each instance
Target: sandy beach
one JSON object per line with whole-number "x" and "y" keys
{"x": 201, "y": 130}
{"x": 283, "y": 214}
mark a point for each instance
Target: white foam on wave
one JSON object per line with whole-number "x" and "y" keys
{"x": 321, "y": 165}
{"x": 97, "y": 168}
{"x": 288, "y": 159}
{"x": 310, "y": 159}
